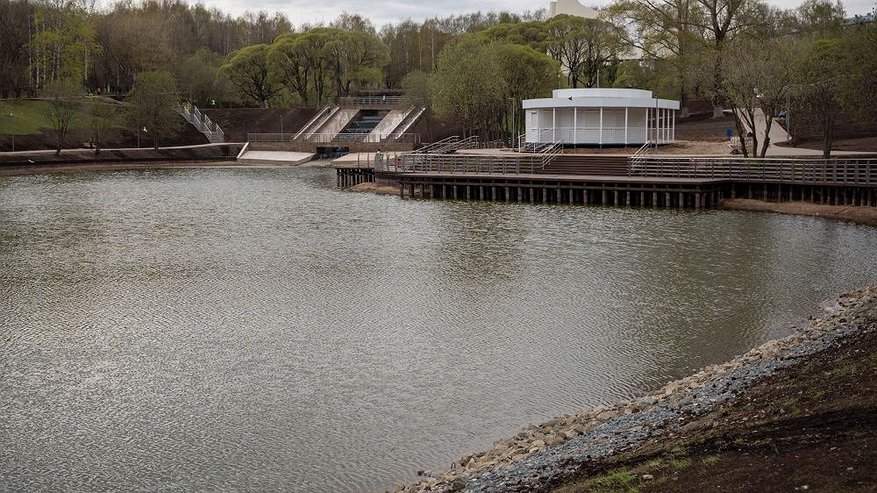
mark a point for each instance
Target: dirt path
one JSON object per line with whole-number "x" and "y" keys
{"x": 859, "y": 215}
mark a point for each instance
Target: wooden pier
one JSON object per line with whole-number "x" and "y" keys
{"x": 671, "y": 183}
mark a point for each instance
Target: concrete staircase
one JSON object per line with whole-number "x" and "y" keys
{"x": 587, "y": 164}
{"x": 410, "y": 118}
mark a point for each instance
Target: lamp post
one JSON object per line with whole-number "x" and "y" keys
{"x": 514, "y": 121}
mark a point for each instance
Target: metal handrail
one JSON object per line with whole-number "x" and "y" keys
{"x": 468, "y": 163}
{"x": 410, "y": 119}
{"x": 856, "y": 171}
{"x": 337, "y": 138}
{"x": 201, "y": 122}
{"x": 308, "y": 125}
{"x": 429, "y": 147}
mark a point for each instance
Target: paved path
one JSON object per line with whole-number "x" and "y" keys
{"x": 779, "y": 135}
{"x": 275, "y": 157}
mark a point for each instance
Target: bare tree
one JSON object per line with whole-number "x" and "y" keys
{"x": 62, "y": 97}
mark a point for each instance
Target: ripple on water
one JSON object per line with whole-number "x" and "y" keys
{"x": 260, "y": 330}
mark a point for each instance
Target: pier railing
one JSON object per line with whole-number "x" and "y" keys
{"x": 469, "y": 163}
{"x": 841, "y": 170}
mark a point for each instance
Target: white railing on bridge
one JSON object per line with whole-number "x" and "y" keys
{"x": 834, "y": 171}
{"x": 201, "y": 122}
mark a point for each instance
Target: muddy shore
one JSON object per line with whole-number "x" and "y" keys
{"x": 571, "y": 449}
{"x": 858, "y": 215}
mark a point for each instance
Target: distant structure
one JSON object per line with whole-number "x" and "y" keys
{"x": 600, "y": 117}
{"x": 570, "y": 7}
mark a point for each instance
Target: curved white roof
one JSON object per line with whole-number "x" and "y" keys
{"x": 596, "y": 98}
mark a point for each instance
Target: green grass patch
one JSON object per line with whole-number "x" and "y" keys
{"x": 28, "y": 117}
{"x": 710, "y": 461}
{"x": 616, "y": 481}
{"x": 22, "y": 117}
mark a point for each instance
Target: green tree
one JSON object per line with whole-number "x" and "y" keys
{"x": 63, "y": 98}
{"x": 583, "y": 47}
{"x": 153, "y": 104}
{"x": 355, "y": 60}
{"x": 528, "y": 74}
{"x": 197, "y": 76}
{"x": 661, "y": 31}
{"x": 291, "y": 62}
{"x": 759, "y": 83}
{"x": 468, "y": 86}
{"x": 102, "y": 117}
{"x": 820, "y": 15}
{"x": 247, "y": 69}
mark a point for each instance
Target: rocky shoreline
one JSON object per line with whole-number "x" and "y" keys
{"x": 541, "y": 457}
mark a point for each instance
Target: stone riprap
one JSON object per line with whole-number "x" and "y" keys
{"x": 545, "y": 455}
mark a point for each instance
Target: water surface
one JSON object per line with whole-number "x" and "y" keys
{"x": 258, "y": 330}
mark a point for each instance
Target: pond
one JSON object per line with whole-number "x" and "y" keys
{"x": 258, "y": 329}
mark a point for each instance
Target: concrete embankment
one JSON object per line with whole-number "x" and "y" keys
{"x": 574, "y": 448}
{"x": 206, "y": 152}
{"x": 858, "y": 214}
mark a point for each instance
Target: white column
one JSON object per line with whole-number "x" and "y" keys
{"x": 575, "y": 125}
{"x": 673, "y": 129}
{"x": 648, "y": 123}
{"x": 601, "y": 125}
{"x": 660, "y": 125}
{"x": 625, "y": 125}
{"x": 666, "y": 124}
{"x": 553, "y": 124}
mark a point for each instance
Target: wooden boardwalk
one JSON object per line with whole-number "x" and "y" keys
{"x": 676, "y": 183}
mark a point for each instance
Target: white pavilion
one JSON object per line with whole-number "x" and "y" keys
{"x": 600, "y": 117}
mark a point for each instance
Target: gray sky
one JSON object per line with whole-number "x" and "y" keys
{"x": 383, "y": 11}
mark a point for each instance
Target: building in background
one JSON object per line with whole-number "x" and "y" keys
{"x": 600, "y": 117}
{"x": 570, "y": 7}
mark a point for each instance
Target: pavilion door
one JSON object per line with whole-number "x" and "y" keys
{"x": 532, "y": 125}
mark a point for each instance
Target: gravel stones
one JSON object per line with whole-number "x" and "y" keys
{"x": 545, "y": 454}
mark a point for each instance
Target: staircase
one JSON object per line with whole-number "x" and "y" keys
{"x": 361, "y": 126}
{"x": 201, "y": 122}
{"x": 410, "y": 119}
{"x": 311, "y": 127}
{"x": 587, "y": 164}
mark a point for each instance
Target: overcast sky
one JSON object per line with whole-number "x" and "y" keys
{"x": 383, "y": 11}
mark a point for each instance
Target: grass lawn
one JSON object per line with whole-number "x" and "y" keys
{"x": 29, "y": 117}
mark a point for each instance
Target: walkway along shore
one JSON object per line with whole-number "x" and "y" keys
{"x": 544, "y": 457}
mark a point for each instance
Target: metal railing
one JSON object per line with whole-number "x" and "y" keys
{"x": 644, "y": 151}
{"x": 550, "y": 153}
{"x": 846, "y": 171}
{"x": 317, "y": 121}
{"x": 201, "y": 122}
{"x": 468, "y": 163}
{"x": 371, "y": 100}
{"x": 410, "y": 119}
{"x": 428, "y": 148}
{"x": 334, "y": 138}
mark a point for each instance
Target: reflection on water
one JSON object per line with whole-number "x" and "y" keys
{"x": 258, "y": 329}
